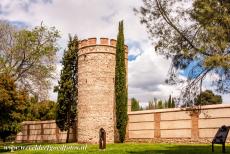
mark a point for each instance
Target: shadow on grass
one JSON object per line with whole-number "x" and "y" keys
{"x": 184, "y": 149}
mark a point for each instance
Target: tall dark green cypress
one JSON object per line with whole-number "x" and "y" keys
{"x": 173, "y": 103}
{"x": 120, "y": 85}
{"x": 170, "y": 102}
{"x": 67, "y": 88}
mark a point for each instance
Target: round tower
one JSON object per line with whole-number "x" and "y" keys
{"x": 96, "y": 78}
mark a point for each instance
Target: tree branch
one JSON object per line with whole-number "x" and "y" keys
{"x": 170, "y": 23}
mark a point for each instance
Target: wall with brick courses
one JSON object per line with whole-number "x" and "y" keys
{"x": 43, "y": 131}
{"x": 178, "y": 123}
{"x": 164, "y": 125}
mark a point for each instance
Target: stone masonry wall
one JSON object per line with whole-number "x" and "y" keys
{"x": 178, "y": 123}
{"x": 161, "y": 125}
{"x": 96, "y": 77}
{"x": 43, "y": 131}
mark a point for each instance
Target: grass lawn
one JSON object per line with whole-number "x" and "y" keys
{"x": 128, "y": 148}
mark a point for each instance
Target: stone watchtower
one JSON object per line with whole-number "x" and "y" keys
{"x": 96, "y": 103}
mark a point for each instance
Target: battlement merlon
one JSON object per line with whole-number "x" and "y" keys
{"x": 103, "y": 41}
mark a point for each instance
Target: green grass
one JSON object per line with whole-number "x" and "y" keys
{"x": 128, "y": 148}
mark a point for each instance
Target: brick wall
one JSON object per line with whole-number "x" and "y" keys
{"x": 43, "y": 131}
{"x": 178, "y": 123}
{"x": 161, "y": 124}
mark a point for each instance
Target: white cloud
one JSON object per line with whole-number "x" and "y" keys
{"x": 99, "y": 18}
{"x": 147, "y": 76}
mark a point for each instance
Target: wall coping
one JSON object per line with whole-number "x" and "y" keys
{"x": 38, "y": 122}
{"x": 104, "y": 41}
{"x": 205, "y": 107}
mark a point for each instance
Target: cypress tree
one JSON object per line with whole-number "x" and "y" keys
{"x": 173, "y": 103}
{"x": 135, "y": 105}
{"x": 67, "y": 88}
{"x": 160, "y": 104}
{"x": 120, "y": 85}
{"x": 170, "y": 102}
{"x": 166, "y": 104}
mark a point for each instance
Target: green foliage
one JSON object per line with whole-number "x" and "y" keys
{"x": 170, "y": 102}
{"x": 120, "y": 85}
{"x": 44, "y": 110}
{"x": 28, "y": 56}
{"x": 151, "y": 105}
{"x": 35, "y": 110}
{"x": 196, "y": 38}
{"x": 160, "y": 104}
{"x": 67, "y": 88}
{"x": 12, "y": 107}
{"x": 173, "y": 103}
{"x": 141, "y": 108}
{"x": 165, "y": 104}
{"x": 135, "y": 105}
{"x": 47, "y": 110}
{"x": 207, "y": 97}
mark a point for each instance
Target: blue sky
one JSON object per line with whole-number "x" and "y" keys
{"x": 99, "y": 18}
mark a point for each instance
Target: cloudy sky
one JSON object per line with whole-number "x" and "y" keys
{"x": 99, "y": 18}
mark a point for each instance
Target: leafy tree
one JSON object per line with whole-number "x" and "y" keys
{"x": 135, "y": 105}
{"x": 166, "y": 104}
{"x": 155, "y": 102}
{"x": 160, "y": 104}
{"x": 196, "y": 38}
{"x": 120, "y": 85}
{"x": 170, "y": 102}
{"x": 67, "y": 88}
{"x": 141, "y": 108}
{"x": 28, "y": 56}
{"x": 207, "y": 97}
{"x": 44, "y": 110}
{"x": 173, "y": 103}
{"x": 12, "y": 107}
{"x": 150, "y": 106}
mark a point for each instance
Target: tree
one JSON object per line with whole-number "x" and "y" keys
{"x": 141, "y": 108}
{"x": 150, "y": 106}
{"x": 196, "y": 38}
{"x": 207, "y": 97}
{"x": 28, "y": 56}
{"x": 155, "y": 102}
{"x": 120, "y": 85}
{"x": 173, "y": 103}
{"x": 44, "y": 110}
{"x": 170, "y": 102}
{"x": 135, "y": 105}
{"x": 12, "y": 107}
{"x": 67, "y": 88}
{"x": 166, "y": 104}
{"x": 160, "y": 104}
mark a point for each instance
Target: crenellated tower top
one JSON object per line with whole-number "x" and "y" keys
{"x": 103, "y": 41}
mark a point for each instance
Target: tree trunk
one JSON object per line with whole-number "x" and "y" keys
{"x": 67, "y": 137}
{"x": 68, "y": 122}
